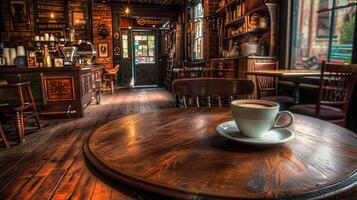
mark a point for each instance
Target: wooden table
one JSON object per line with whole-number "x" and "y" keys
{"x": 177, "y": 152}
{"x": 294, "y": 75}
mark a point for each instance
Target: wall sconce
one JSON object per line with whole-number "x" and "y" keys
{"x": 103, "y": 31}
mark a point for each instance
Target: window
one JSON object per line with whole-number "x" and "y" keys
{"x": 125, "y": 42}
{"x": 322, "y": 30}
{"x": 144, "y": 49}
{"x": 198, "y": 14}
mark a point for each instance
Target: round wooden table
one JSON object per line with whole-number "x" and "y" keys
{"x": 177, "y": 152}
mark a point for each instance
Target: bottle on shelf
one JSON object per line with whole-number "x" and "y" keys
{"x": 47, "y": 58}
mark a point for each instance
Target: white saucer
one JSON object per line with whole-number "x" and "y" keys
{"x": 276, "y": 136}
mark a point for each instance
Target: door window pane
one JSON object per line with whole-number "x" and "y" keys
{"x": 125, "y": 42}
{"x": 144, "y": 49}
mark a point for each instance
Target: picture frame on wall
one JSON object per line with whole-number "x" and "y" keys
{"x": 103, "y": 50}
{"x": 78, "y": 19}
{"x": 20, "y": 17}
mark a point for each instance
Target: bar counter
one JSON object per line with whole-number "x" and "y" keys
{"x": 61, "y": 92}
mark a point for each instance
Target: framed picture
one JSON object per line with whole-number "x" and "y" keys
{"x": 20, "y": 20}
{"x": 103, "y": 50}
{"x": 58, "y": 62}
{"x": 31, "y": 60}
{"x": 78, "y": 18}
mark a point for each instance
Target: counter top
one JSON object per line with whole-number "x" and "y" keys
{"x": 12, "y": 69}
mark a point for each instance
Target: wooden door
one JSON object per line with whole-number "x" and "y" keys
{"x": 145, "y": 58}
{"x": 126, "y": 62}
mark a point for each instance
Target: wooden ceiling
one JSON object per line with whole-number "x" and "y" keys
{"x": 150, "y": 2}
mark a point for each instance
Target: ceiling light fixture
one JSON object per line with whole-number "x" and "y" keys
{"x": 127, "y": 8}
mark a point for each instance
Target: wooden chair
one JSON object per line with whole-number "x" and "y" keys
{"x": 193, "y": 69}
{"x": 109, "y": 78}
{"x": 210, "y": 88}
{"x": 23, "y": 110}
{"x": 3, "y": 137}
{"x": 337, "y": 82}
{"x": 268, "y": 86}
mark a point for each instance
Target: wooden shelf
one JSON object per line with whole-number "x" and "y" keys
{"x": 229, "y": 4}
{"x": 241, "y": 18}
{"x": 255, "y": 31}
{"x": 234, "y": 22}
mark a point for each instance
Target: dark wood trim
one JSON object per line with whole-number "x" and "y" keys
{"x": 285, "y": 26}
{"x": 354, "y": 52}
{"x": 90, "y": 19}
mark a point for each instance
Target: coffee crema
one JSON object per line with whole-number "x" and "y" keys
{"x": 254, "y": 105}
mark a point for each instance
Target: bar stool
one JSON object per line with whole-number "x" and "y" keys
{"x": 3, "y": 137}
{"x": 21, "y": 107}
{"x": 109, "y": 77}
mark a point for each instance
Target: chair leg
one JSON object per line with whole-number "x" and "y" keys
{"x": 20, "y": 126}
{"x": 112, "y": 86}
{"x": 2, "y": 135}
{"x": 37, "y": 118}
{"x": 32, "y": 101}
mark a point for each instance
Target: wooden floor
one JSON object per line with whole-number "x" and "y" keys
{"x": 50, "y": 164}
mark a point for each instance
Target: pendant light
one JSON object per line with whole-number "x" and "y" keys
{"x": 127, "y": 9}
{"x": 52, "y": 14}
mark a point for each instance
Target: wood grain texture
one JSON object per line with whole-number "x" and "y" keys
{"x": 177, "y": 152}
{"x": 50, "y": 164}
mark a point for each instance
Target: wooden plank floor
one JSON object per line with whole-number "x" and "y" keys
{"x": 50, "y": 164}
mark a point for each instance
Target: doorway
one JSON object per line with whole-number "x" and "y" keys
{"x": 145, "y": 62}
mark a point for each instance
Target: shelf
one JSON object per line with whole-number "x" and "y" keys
{"x": 234, "y": 22}
{"x": 255, "y": 31}
{"x": 241, "y": 18}
{"x": 229, "y": 4}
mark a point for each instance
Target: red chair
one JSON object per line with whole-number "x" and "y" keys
{"x": 268, "y": 86}
{"x": 337, "y": 82}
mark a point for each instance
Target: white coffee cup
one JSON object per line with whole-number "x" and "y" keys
{"x": 37, "y": 38}
{"x": 20, "y": 51}
{"x": 255, "y": 118}
{"x": 47, "y": 37}
{"x": 12, "y": 56}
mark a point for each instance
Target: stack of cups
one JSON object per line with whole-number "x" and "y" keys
{"x": 12, "y": 56}
{"x": 6, "y": 55}
{"x": 21, "y": 51}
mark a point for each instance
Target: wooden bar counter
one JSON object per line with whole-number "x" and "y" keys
{"x": 60, "y": 92}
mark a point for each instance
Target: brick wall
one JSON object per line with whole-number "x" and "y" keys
{"x": 211, "y": 38}
{"x": 102, "y": 14}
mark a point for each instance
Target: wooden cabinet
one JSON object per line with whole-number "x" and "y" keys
{"x": 235, "y": 67}
{"x": 63, "y": 92}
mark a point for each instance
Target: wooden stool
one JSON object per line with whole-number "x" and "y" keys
{"x": 3, "y": 137}
{"x": 21, "y": 107}
{"x": 109, "y": 77}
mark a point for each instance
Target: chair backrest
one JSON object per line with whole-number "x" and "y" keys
{"x": 193, "y": 69}
{"x": 211, "y": 88}
{"x": 337, "y": 82}
{"x": 266, "y": 85}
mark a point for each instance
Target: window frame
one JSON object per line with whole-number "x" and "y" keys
{"x": 198, "y": 36}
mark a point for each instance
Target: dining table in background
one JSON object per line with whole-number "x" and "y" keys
{"x": 178, "y": 153}
{"x": 294, "y": 75}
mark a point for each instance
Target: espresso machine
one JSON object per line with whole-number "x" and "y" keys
{"x": 69, "y": 51}
{"x": 69, "y": 55}
{"x": 86, "y": 53}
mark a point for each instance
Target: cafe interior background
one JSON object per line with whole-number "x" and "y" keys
{"x": 148, "y": 39}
